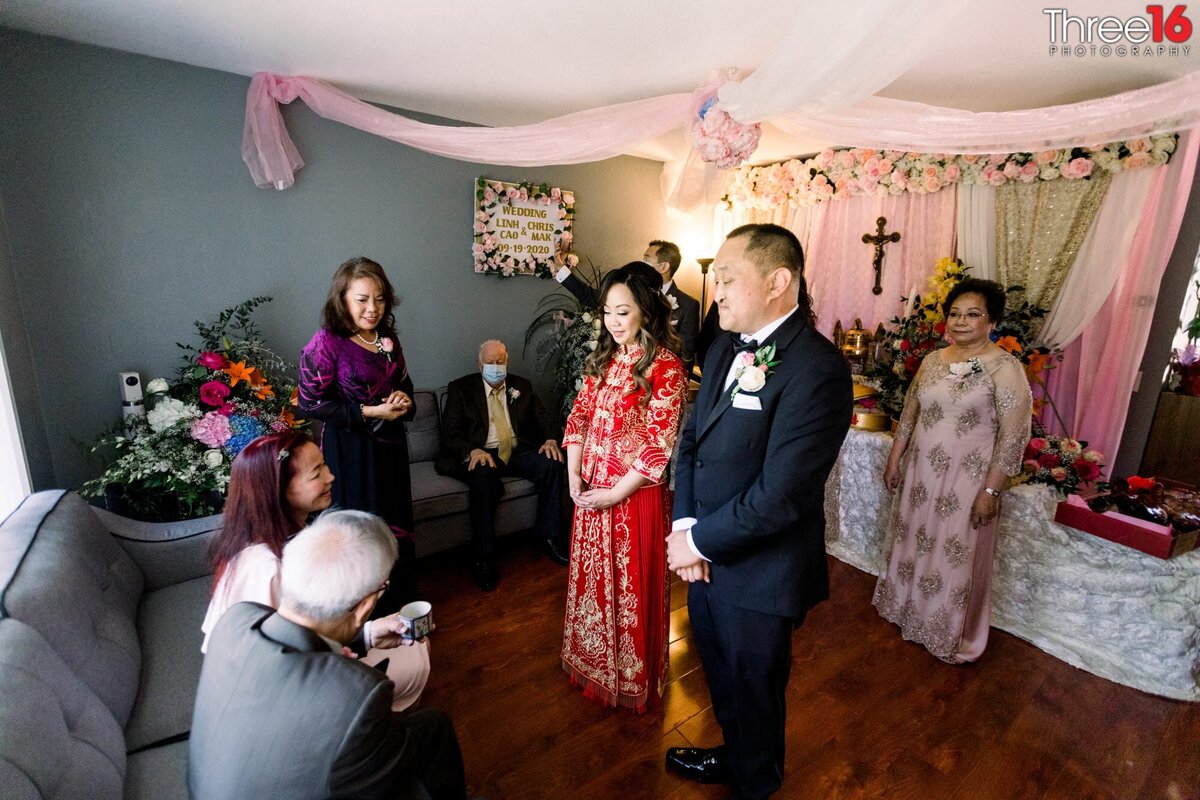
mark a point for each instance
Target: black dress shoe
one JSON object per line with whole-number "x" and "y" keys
{"x": 557, "y": 554}
{"x": 484, "y": 575}
{"x": 703, "y": 765}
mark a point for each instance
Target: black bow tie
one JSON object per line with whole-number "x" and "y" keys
{"x": 740, "y": 346}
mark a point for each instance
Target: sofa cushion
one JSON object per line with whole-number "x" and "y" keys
{"x": 159, "y": 773}
{"x": 424, "y": 431}
{"x": 169, "y": 629}
{"x": 57, "y": 740}
{"x": 78, "y": 589}
{"x": 435, "y": 495}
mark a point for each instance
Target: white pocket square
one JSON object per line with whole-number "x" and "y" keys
{"x": 747, "y": 401}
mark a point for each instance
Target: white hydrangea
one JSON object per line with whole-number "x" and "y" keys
{"x": 168, "y": 411}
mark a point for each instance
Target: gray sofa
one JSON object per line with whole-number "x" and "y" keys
{"x": 99, "y": 650}
{"x": 100, "y": 631}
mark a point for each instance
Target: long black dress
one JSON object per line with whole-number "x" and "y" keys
{"x": 369, "y": 458}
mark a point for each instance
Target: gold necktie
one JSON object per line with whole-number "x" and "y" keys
{"x": 504, "y": 432}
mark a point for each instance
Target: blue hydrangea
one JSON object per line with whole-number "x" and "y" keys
{"x": 245, "y": 430}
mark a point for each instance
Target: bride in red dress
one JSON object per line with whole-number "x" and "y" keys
{"x": 619, "y": 438}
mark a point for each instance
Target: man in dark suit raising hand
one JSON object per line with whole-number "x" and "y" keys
{"x": 749, "y": 523}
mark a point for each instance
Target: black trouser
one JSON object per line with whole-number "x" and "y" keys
{"x": 747, "y": 656}
{"x": 437, "y": 760}
{"x": 486, "y": 488}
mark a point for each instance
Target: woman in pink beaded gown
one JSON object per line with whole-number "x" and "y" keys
{"x": 962, "y": 435}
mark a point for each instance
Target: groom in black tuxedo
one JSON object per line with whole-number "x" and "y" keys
{"x": 749, "y": 532}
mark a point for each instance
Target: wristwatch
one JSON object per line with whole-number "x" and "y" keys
{"x": 991, "y": 491}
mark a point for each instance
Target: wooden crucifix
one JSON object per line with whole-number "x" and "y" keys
{"x": 879, "y": 240}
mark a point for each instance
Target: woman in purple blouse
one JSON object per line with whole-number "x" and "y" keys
{"x": 353, "y": 378}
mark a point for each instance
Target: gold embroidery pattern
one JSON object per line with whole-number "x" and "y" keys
{"x": 924, "y": 542}
{"x": 939, "y": 459}
{"x": 904, "y": 571}
{"x": 974, "y": 465}
{"x": 946, "y": 505}
{"x": 931, "y": 415}
{"x": 956, "y": 552}
{"x": 931, "y": 584}
{"x": 958, "y": 598}
{"x": 966, "y": 421}
{"x": 920, "y": 494}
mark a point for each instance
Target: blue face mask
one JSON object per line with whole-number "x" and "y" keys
{"x": 494, "y": 373}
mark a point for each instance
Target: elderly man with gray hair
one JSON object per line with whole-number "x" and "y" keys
{"x": 283, "y": 712}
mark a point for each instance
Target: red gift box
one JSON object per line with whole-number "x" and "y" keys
{"x": 1155, "y": 540}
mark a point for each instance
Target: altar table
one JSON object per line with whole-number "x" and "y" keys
{"x": 1115, "y": 612}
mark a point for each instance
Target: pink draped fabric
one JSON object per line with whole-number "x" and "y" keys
{"x": 1100, "y": 368}
{"x": 609, "y": 131}
{"x": 591, "y": 135}
{"x": 903, "y": 125}
{"x": 838, "y": 264}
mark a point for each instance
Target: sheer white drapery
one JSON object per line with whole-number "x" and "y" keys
{"x": 837, "y": 54}
{"x": 975, "y": 229}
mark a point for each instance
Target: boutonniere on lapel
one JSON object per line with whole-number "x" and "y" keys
{"x": 753, "y": 369}
{"x": 386, "y": 346}
{"x": 513, "y": 394}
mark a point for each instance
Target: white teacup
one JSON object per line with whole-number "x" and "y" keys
{"x": 419, "y": 616}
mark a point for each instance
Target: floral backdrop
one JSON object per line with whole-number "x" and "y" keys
{"x": 838, "y": 174}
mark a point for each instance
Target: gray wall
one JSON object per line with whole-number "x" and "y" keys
{"x": 130, "y": 214}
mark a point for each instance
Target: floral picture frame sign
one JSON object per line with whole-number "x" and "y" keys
{"x": 519, "y": 227}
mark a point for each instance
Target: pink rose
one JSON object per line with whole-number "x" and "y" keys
{"x": 556, "y": 194}
{"x": 1046, "y": 157}
{"x": 387, "y": 344}
{"x": 214, "y": 393}
{"x": 1031, "y": 465}
{"x": 1058, "y": 474}
{"x": 1029, "y": 172}
{"x": 929, "y": 171}
{"x": 952, "y": 173}
{"x": 212, "y": 360}
{"x": 1037, "y": 444}
{"x": 1077, "y": 168}
{"x": 996, "y": 178}
{"x": 479, "y": 227}
{"x": 932, "y": 184}
{"x": 746, "y": 359}
{"x": 1139, "y": 145}
{"x": 1011, "y": 170}
{"x": 969, "y": 158}
{"x": 1136, "y": 161}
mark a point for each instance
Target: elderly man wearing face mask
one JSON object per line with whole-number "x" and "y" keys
{"x": 494, "y": 426}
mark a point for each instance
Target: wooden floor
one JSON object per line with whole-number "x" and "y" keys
{"x": 869, "y": 715}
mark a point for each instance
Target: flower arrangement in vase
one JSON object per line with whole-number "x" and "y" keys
{"x": 175, "y": 461}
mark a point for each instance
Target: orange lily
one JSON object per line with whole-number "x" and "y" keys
{"x": 295, "y": 398}
{"x": 264, "y": 391}
{"x": 1010, "y": 344}
{"x": 287, "y": 416}
{"x": 238, "y": 371}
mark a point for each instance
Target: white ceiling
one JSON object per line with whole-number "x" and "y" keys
{"x": 508, "y": 62}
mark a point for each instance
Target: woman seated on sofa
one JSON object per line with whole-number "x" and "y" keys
{"x": 277, "y": 482}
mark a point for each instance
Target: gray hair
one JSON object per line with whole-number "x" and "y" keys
{"x": 483, "y": 346}
{"x": 334, "y": 563}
